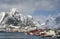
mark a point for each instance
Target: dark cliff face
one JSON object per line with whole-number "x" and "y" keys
{"x": 57, "y": 20}
{"x": 47, "y": 21}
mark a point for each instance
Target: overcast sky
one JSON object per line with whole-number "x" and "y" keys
{"x": 36, "y": 8}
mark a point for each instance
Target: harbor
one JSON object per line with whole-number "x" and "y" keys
{"x": 29, "y": 19}
{"x": 33, "y": 31}
{"x": 15, "y": 25}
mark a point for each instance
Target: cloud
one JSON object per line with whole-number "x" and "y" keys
{"x": 48, "y": 4}
{"x": 24, "y": 6}
{"x": 29, "y": 6}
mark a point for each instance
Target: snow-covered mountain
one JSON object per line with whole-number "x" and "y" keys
{"x": 14, "y": 17}
{"x": 57, "y": 20}
{"x": 53, "y": 22}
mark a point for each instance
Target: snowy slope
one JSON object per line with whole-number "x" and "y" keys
{"x": 14, "y": 17}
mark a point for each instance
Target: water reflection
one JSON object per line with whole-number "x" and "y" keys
{"x": 21, "y": 36}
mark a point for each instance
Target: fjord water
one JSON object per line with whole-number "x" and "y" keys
{"x": 16, "y": 35}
